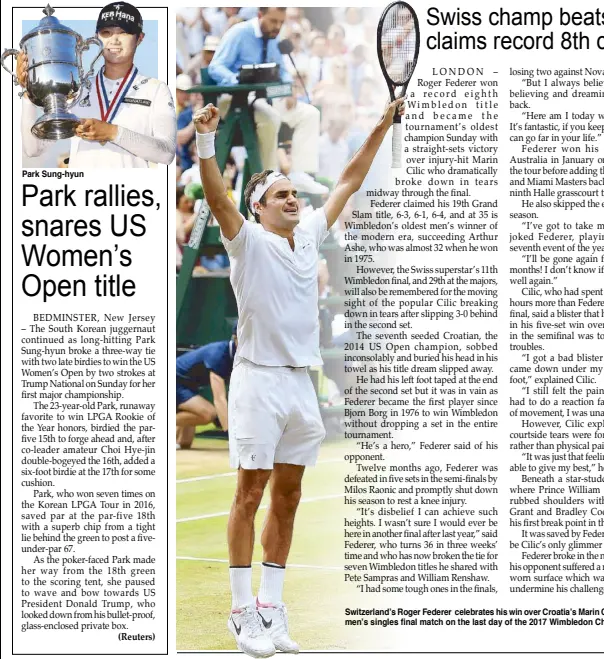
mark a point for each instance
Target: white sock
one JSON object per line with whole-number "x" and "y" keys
{"x": 271, "y": 583}
{"x": 241, "y": 586}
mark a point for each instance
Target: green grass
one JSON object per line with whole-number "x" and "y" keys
{"x": 313, "y": 595}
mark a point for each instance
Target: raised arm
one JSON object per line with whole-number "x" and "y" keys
{"x": 355, "y": 172}
{"x": 223, "y": 209}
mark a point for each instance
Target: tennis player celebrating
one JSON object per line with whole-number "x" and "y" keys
{"x": 275, "y": 427}
{"x": 130, "y": 118}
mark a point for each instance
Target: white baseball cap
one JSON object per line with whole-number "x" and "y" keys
{"x": 183, "y": 82}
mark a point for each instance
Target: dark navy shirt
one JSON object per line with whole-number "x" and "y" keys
{"x": 182, "y": 121}
{"x": 215, "y": 357}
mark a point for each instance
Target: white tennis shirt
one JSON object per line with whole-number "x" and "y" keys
{"x": 277, "y": 292}
{"x": 147, "y": 128}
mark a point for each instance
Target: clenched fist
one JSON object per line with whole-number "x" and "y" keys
{"x": 206, "y": 120}
{"x": 95, "y": 130}
{"x": 392, "y": 108}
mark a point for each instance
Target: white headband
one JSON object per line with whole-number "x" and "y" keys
{"x": 261, "y": 188}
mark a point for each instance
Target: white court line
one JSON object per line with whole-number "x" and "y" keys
{"x": 225, "y": 513}
{"x": 234, "y": 473}
{"x": 206, "y": 478}
{"x": 224, "y": 560}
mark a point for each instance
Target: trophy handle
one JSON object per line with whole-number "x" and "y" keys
{"x": 7, "y": 53}
{"x": 85, "y": 79}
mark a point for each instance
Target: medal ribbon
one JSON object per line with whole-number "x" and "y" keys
{"x": 109, "y": 110}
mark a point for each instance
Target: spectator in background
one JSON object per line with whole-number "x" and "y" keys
{"x": 341, "y": 106}
{"x": 319, "y": 62}
{"x": 185, "y": 130}
{"x": 183, "y": 84}
{"x": 191, "y": 28}
{"x": 185, "y": 219}
{"x": 299, "y": 54}
{"x": 333, "y": 150}
{"x": 335, "y": 89}
{"x": 295, "y": 20}
{"x": 191, "y": 175}
{"x": 354, "y": 28}
{"x": 202, "y": 60}
{"x": 367, "y": 92}
{"x": 285, "y": 137}
{"x": 223, "y": 19}
{"x": 255, "y": 42}
{"x": 359, "y": 69}
{"x": 339, "y": 74}
{"x": 336, "y": 40}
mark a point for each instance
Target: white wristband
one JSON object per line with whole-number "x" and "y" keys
{"x": 205, "y": 145}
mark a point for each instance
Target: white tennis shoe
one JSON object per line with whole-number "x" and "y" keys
{"x": 248, "y": 630}
{"x": 273, "y": 618}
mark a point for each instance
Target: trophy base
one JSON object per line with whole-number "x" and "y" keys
{"x": 55, "y": 126}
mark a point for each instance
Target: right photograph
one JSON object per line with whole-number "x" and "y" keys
{"x": 281, "y": 114}
{"x": 389, "y": 379}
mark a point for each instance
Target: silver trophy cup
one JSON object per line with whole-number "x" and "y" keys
{"x": 55, "y": 74}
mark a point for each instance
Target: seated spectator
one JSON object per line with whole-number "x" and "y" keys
{"x": 336, "y": 86}
{"x": 296, "y": 21}
{"x": 183, "y": 84}
{"x": 359, "y": 70}
{"x": 210, "y": 365}
{"x": 367, "y": 92}
{"x": 222, "y": 18}
{"x": 191, "y": 28}
{"x": 185, "y": 129}
{"x": 336, "y": 40}
{"x": 191, "y": 175}
{"x": 185, "y": 219}
{"x": 340, "y": 106}
{"x": 319, "y": 63}
{"x": 298, "y": 55}
{"x": 202, "y": 60}
{"x": 353, "y": 26}
{"x": 333, "y": 150}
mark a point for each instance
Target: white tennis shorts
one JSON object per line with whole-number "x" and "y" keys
{"x": 273, "y": 417}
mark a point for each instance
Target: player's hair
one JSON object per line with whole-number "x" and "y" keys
{"x": 256, "y": 179}
{"x": 263, "y": 10}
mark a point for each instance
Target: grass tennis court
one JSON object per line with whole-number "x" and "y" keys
{"x": 313, "y": 587}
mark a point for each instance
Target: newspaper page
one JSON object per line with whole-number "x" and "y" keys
{"x": 429, "y": 454}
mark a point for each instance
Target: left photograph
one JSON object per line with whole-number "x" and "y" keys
{"x": 91, "y": 97}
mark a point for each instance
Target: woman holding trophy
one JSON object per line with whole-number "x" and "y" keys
{"x": 124, "y": 119}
